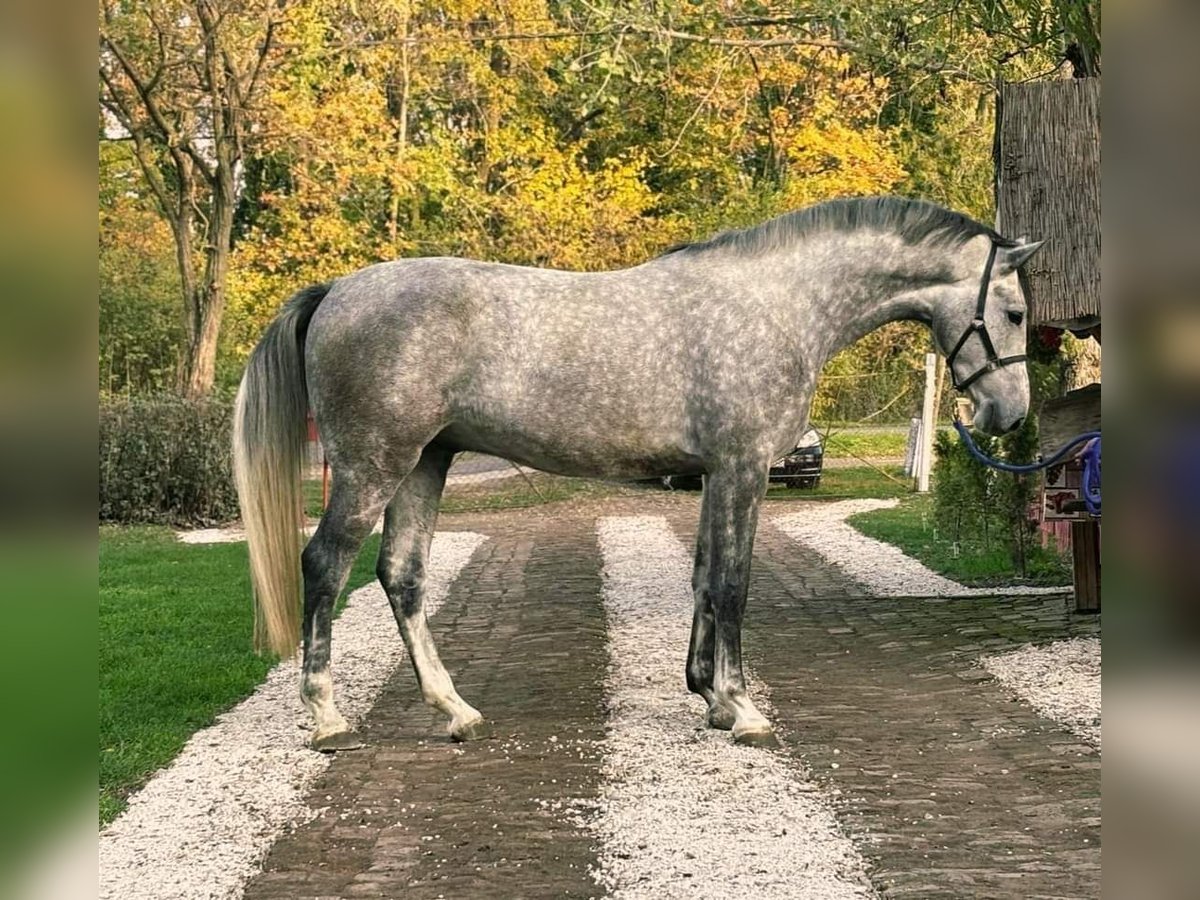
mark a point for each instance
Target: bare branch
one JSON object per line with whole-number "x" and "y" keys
{"x": 264, "y": 51}
{"x": 116, "y": 105}
{"x": 725, "y": 65}
{"x": 715, "y": 41}
{"x": 139, "y": 85}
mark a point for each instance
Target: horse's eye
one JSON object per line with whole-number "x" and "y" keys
{"x": 1016, "y": 317}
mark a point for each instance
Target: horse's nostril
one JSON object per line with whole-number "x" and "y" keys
{"x": 1020, "y": 420}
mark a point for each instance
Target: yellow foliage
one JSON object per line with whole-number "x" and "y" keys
{"x": 395, "y": 130}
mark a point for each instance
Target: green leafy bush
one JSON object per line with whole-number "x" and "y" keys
{"x": 965, "y": 493}
{"x": 166, "y": 460}
{"x": 982, "y": 509}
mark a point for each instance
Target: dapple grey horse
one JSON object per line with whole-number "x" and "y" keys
{"x": 702, "y": 360}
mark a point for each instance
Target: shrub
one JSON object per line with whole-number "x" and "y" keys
{"x": 966, "y": 493}
{"x": 984, "y": 510}
{"x": 1018, "y": 493}
{"x": 166, "y": 460}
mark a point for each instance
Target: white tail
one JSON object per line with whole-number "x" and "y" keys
{"x": 268, "y": 451}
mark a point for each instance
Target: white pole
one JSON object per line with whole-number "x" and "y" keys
{"x": 925, "y": 458}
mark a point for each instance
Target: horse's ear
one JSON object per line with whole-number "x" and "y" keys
{"x": 1015, "y": 257}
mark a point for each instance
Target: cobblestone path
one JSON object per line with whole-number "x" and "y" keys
{"x": 949, "y": 787}
{"x": 413, "y": 815}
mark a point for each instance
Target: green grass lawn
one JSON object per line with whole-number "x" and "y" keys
{"x": 175, "y": 633}
{"x": 519, "y": 493}
{"x": 851, "y": 484}
{"x": 870, "y": 444}
{"x": 909, "y": 527}
{"x": 312, "y": 497}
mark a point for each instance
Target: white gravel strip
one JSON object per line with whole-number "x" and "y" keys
{"x": 684, "y": 812}
{"x": 1060, "y": 680}
{"x": 200, "y": 827}
{"x": 211, "y": 536}
{"x": 234, "y": 534}
{"x": 882, "y": 569}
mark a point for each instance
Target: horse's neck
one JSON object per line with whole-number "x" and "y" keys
{"x": 850, "y": 285}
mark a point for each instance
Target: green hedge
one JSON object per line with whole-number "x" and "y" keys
{"x": 166, "y": 460}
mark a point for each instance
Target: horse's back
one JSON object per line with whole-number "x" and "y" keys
{"x": 546, "y": 364}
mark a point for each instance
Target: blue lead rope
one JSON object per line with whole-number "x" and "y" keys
{"x": 1091, "y": 475}
{"x": 1090, "y": 457}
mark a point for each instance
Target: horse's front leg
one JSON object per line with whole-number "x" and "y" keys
{"x": 722, "y": 579}
{"x": 702, "y": 643}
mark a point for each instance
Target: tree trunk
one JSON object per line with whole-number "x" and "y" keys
{"x": 398, "y": 185}
{"x": 189, "y": 108}
{"x": 200, "y": 360}
{"x": 205, "y": 302}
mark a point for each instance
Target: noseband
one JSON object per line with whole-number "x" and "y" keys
{"x": 979, "y": 326}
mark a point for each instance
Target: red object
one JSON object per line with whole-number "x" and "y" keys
{"x": 1049, "y": 338}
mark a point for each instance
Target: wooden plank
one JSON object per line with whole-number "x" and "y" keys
{"x": 1085, "y": 552}
{"x": 1047, "y": 156}
{"x": 928, "y": 410}
{"x": 1063, "y": 418}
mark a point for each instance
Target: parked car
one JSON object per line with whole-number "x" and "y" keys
{"x": 800, "y": 468}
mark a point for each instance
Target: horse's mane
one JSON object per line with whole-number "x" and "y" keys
{"x": 915, "y": 221}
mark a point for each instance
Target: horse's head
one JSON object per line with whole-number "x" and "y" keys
{"x": 979, "y": 324}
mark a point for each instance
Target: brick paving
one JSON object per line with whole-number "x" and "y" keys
{"x": 950, "y": 788}
{"x": 415, "y": 816}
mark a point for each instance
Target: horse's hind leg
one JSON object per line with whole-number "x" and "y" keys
{"x": 354, "y": 508}
{"x": 403, "y": 556}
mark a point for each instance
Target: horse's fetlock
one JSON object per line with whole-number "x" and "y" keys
{"x": 313, "y": 689}
{"x": 699, "y": 680}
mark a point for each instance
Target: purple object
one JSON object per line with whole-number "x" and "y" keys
{"x": 1091, "y": 476}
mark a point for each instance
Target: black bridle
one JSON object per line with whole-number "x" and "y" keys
{"x": 979, "y": 326}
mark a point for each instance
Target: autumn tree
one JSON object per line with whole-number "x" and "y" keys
{"x": 180, "y": 81}
{"x": 936, "y": 65}
{"x": 401, "y": 129}
{"x": 140, "y": 327}
{"x": 567, "y": 134}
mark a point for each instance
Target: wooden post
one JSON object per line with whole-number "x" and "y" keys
{"x": 1085, "y": 552}
{"x": 324, "y": 484}
{"x": 938, "y": 387}
{"x": 925, "y": 456}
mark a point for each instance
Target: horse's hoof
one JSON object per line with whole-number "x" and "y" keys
{"x": 339, "y": 740}
{"x": 756, "y": 738}
{"x": 719, "y": 717}
{"x": 475, "y": 730}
